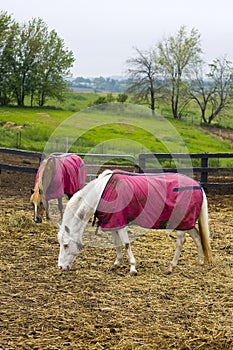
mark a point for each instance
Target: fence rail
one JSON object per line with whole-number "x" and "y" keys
{"x": 203, "y": 170}
{"x": 94, "y": 162}
{"x": 21, "y": 153}
{"x": 98, "y": 162}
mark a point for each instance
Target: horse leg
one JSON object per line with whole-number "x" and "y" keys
{"x": 197, "y": 240}
{"x": 117, "y": 242}
{"x": 47, "y": 210}
{"x": 60, "y": 207}
{"x": 180, "y": 240}
{"x": 123, "y": 234}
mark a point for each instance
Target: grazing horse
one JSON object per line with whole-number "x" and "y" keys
{"x": 56, "y": 176}
{"x": 117, "y": 198}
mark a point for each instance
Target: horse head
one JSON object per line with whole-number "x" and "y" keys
{"x": 69, "y": 248}
{"x": 36, "y": 200}
{"x": 76, "y": 216}
{"x": 43, "y": 179}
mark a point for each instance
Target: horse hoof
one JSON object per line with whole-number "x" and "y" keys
{"x": 168, "y": 271}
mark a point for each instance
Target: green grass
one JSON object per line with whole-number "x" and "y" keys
{"x": 112, "y": 128}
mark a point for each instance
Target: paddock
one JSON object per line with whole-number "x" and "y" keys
{"x": 94, "y": 307}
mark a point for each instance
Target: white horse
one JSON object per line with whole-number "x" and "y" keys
{"x": 86, "y": 202}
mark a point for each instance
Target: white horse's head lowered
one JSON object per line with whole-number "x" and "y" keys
{"x": 76, "y": 216}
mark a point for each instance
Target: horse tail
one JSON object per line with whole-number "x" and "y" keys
{"x": 203, "y": 226}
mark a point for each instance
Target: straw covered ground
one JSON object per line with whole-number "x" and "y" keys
{"x": 94, "y": 307}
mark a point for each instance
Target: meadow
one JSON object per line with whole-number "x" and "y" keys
{"x": 79, "y": 126}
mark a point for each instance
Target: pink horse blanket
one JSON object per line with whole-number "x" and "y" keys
{"x": 69, "y": 176}
{"x": 168, "y": 201}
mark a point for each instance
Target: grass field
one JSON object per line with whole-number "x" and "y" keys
{"x": 111, "y": 128}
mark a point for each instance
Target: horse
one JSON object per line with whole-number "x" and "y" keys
{"x": 58, "y": 175}
{"x": 156, "y": 201}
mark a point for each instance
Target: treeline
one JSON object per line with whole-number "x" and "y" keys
{"x": 33, "y": 62}
{"x": 100, "y": 84}
{"x": 174, "y": 70}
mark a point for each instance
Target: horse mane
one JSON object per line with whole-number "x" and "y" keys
{"x": 105, "y": 173}
{"x": 77, "y": 200}
{"x": 46, "y": 173}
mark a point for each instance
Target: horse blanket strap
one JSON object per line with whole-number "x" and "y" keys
{"x": 97, "y": 223}
{"x": 68, "y": 177}
{"x": 158, "y": 201}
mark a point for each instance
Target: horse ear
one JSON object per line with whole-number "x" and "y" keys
{"x": 67, "y": 229}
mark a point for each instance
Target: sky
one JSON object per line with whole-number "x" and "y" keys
{"x": 103, "y": 34}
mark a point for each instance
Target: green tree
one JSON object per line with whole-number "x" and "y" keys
{"x": 8, "y": 30}
{"x": 25, "y": 58}
{"x": 122, "y": 97}
{"x": 54, "y": 66}
{"x": 33, "y": 62}
{"x": 178, "y": 55}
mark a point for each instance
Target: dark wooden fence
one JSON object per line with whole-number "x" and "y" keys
{"x": 20, "y": 160}
{"x": 197, "y": 165}
{"x": 187, "y": 164}
{"x": 10, "y": 153}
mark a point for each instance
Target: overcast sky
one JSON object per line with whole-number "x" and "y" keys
{"x": 103, "y": 33}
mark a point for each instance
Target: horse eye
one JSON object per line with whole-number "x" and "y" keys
{"x": 65, "y": 246}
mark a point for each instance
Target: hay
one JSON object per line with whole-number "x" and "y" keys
{"x": 94, "y": 307}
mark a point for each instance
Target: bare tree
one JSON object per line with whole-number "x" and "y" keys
{"x": 213, "y": 92}
{"x": 142, "y": 73}
{"x": 177, "y": 57}
{"x": 222, "y": 75}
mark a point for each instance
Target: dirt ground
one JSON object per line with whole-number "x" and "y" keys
{"x": 95, "y": 307}
{"x": 224, "y": 134}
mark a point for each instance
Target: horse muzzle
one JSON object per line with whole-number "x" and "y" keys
{"x": 38, "y": 220}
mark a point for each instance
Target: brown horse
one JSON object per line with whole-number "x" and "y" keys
{"x": 58, "y": 175}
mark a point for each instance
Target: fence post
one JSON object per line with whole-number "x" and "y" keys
{"x": 204, "y": 173}
{"x": 18, "y": 139}
{"x": 142, "y": 163}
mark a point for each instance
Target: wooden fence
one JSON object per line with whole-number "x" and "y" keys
{"x": 209, "y": 176}
{"x": 95, "y": 162}
{"x": 186, "y": 164}
{"x": 10, "y": 153}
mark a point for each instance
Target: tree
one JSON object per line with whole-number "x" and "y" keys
{"x": 54, "y": 64}
{"x": 8, "y": 31}
{"x": 178, "y": 55}
{"x": 201, "y": 90}
{"x": 122, "y": 97}
{"x": 33, "y": 61}
{"x": 213, "y": 91}
{"x": 221, "y": 72}
{"x": 142, "y": 73}
{"x": 26, "y": 55}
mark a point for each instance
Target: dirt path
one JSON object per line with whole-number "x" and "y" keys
{"x": 94, "y": 307}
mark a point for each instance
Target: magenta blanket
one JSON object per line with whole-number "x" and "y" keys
{"x": 167, "y": 200}
{"x": 69, "y": 176}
